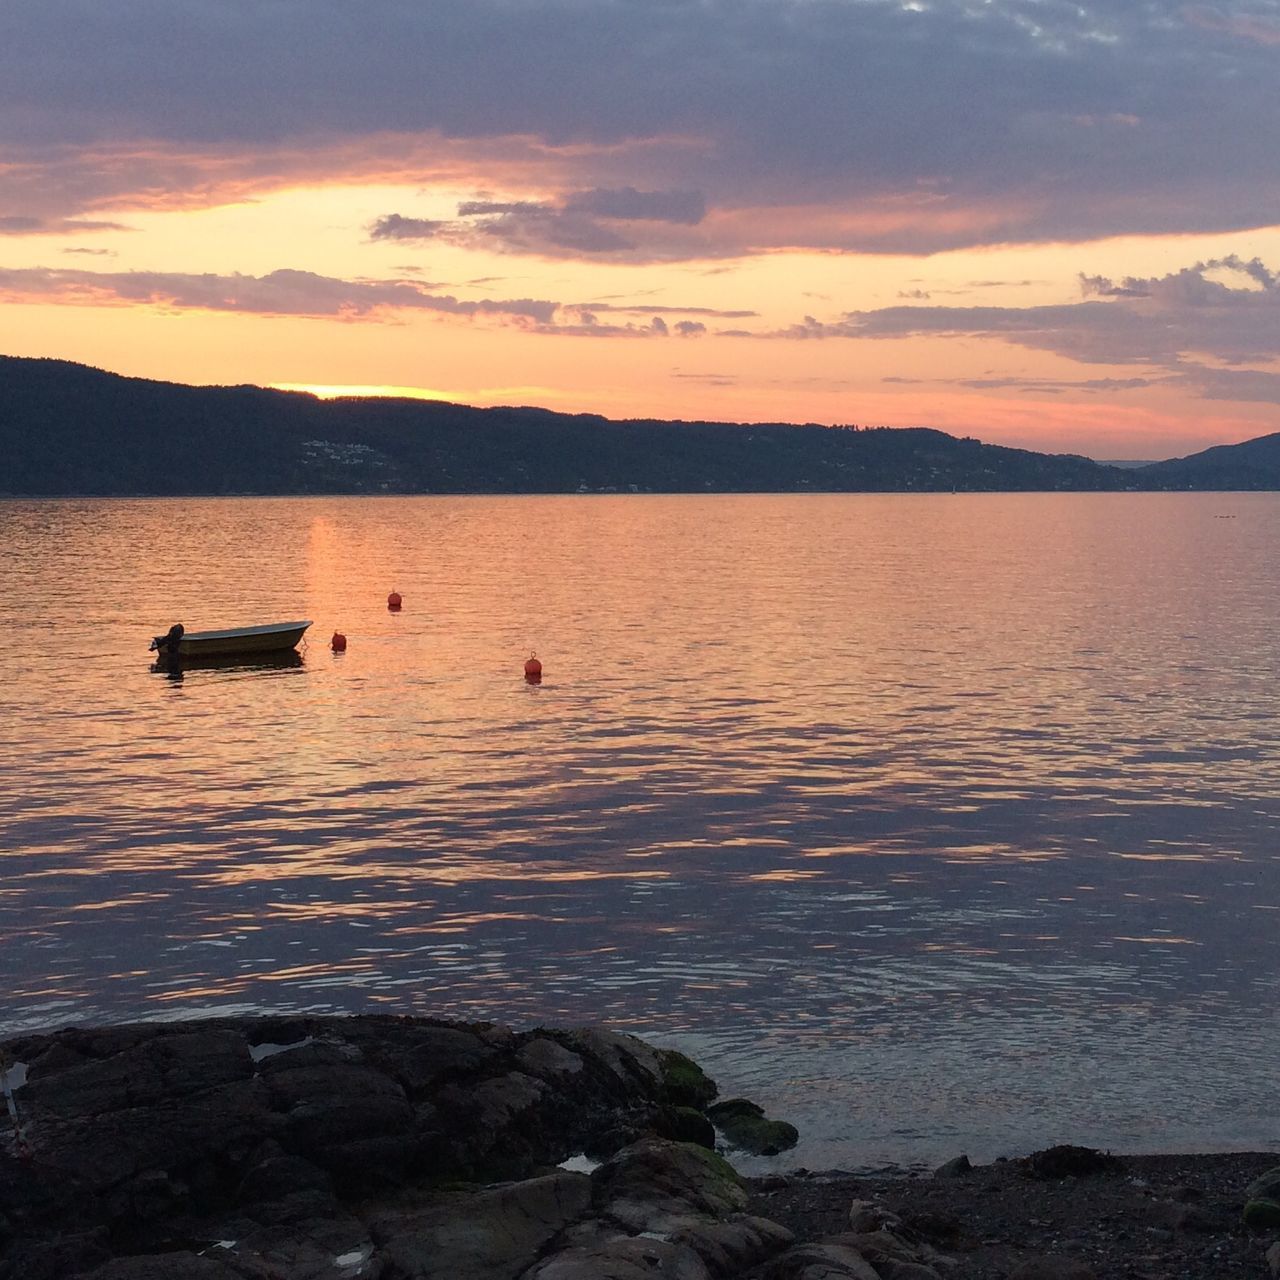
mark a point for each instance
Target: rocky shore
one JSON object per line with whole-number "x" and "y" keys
{"x": 383, "y": 1148}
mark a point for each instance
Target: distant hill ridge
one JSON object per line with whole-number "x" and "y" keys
{"x": 68, "y": 429}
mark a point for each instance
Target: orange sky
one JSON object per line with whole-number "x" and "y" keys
{"x": 1029, "y": 272}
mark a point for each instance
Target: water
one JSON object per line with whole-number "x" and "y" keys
{"x": 935, "y": 823}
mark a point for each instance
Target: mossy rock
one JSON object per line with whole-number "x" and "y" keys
{"x": 716, "y": 1163}
{"x": 1266, "y": 1187}
{"x": 684, "y": 1124}
{"x": 735, "y": 1109}
{"x": 683, "y": 1081}
{"x": 1262, "y": 1213}
{"x": 1071, "y": 1162}
{"x": 758, "y": 1135}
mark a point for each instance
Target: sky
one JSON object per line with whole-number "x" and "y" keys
{"x": 1044, "y": 224}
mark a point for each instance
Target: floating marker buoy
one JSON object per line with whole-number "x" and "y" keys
{"x": 339, "y": 642}
{"x": 532, "y": 669}
{"x": 394, "y": 601}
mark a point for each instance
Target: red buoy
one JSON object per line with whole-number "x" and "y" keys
{"x": 339, "y": 642}
{"x": 394, "y": 601}
{"x": 532, "y": 669}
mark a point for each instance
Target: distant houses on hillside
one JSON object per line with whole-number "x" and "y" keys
{"x": 68, "y": 429}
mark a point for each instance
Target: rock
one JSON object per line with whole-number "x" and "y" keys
{"x": 821, "y": 1261}
{"x": 955, "y": 1168}
{"x": 352, "y": 1120}
{"x": 179, "y": 1137}
{"x": 886, "y": 1250}
{"x": 507, "y": 1098}
{"x": 878, "y": 1247}
{"x": 631, "y": 1061}
{"x": 1051, "y": 1268}
{"x": 734, "y": 1245}
{"x": 654, "y": 1179}
{"x": 1191, "y": 1218}
{"x": 760, "y": 1137}
{"x": 335, "y": 1246}
{"x": 164, "y": 1266}
{"x": 1273, "y": 1260}
{"x": 683, "y": 1081}
{"x": 938, "y": 1228}
{"x": 624, "y": 1258}
{"x": 549, "y": 1060}
{"x": 55, "y": 1257}
{"x": 773, "y": 1182}
{"x": 1266, "y": 1187}
{"x": 502, "y": 1127}
{"x": 175, "y": 1064}
{"x": 1070, "y": 1162}
{"x": 422, "y": 1057}
{"x": 190, "y": 1062}
{"x": 294, "y": 1083}
{"x": 1261, "y": 1214}
{"x": 153, "y": 1194}
{"x": 271, "y": 1031}
{"x": 279, "y": 1176}
{"x": 95, "y": 1086}
{"x": 36, "y": 1199}
{"x": 684, "y": 1124}
{"x": 867, "y": 1216}
{"x": 484, "y": 1234}
{"x": 734, "y": 1109}
{"x": 314, "y": 1054}
{"x": 745, "y": 1126}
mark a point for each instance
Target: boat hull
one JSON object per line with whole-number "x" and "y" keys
{"x": 274, "y": 637}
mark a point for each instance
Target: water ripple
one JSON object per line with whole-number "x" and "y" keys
{"x": 933, "y": 822}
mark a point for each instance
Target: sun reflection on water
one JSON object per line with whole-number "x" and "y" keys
{"x": 886, "y": 795}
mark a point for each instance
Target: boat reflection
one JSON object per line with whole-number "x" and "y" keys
{"x": 176, "y": 666}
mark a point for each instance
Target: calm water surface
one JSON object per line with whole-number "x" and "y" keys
{"x": 934, "y": 823}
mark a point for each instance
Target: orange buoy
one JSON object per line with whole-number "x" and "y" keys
{"x": 532, "y": 669}
{"x": 339, "y": 642}
{"x": 394, "y": 601}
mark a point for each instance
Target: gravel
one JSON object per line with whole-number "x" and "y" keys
{"x": 1162, "y": 1217}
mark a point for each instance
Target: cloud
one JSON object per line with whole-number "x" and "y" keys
{"x": 306, "y": 294}
{"x": 1264, "y": 29}
{"x": 27, "y": 225}
{"x": 588, "y": 323}
{"x": 509, "y": 209}
{"x": 280, "y": 293}
{"x": 1234, "y": 384}
{"x": 653, "y": 309}
{"x": 544, "y": 231}
{"x": 675, "y": 130}
{"x": 1038, "y": 386}
{"x": 580, "y": 224}
{"x": 628, "y": 204}
{"x": 394, "y": 227}
{"x": 1200, "y": 329}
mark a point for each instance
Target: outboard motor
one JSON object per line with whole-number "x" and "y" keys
{"x": 166, "y": 646}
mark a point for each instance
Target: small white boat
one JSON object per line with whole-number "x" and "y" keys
{"x": 271, "y": 637}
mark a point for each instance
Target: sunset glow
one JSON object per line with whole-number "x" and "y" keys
{"x": 1062, "y": 240}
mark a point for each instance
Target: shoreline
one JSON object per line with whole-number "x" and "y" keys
{"x": 379, "y": 1147}
{"x": 1149, "y": 1217}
